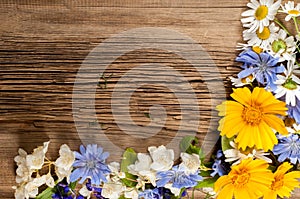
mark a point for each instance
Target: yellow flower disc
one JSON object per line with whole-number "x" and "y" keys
{"x": 265, "y": 34}
{"x": 294, "y": 12}
{"x": 261, "y": 12}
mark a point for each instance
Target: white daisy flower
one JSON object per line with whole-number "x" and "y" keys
{"x": 295, "y": 129}
{"x": 237, "y": 82}
{"x": 246, "y": 47}
{"x": 236, "y": 156}
{"x": 260, "y": 14}
{"x": 283, "y": 47}
{"x": 262, "y": 39}
{"x": 290, "y": 9}
{"x": 288, "y": 85}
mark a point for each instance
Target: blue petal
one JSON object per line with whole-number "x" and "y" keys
{"x": 76, "y": 174}
{"x": 246, "y": 72}
{"x": 82, "y": 149}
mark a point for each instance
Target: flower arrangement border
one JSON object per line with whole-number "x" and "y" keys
{"x": 259, "y": 125}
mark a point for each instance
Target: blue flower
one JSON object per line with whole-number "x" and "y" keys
{"x": 219, "y": 166}
{"x": 90, "y": 163}
{"x": 178, "y": 178}
{"x": 167, "y": 194}
{"x": 262, "y": 66}
{"x": 294, "y": 111}
{"x": 288, "y": 148}
{"x": 63, "y": 191}
{"x": 96, "y": 190}
{"x": 150, "y": 194}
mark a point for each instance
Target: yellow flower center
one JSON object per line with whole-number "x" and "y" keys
{"x": 241, "y": 179}
{"x": 294, "y": 12}
{"x": 261, "y": 12}
{"x": 290, "y": 84}
{"x": 257, "y": 49}
{"x": 246, "y": 79}
{"x": 265, "y": 34}
{"x": 289, "y": 121}
{"x": 279, "y": 45}
{"x": 278, "y": 183}
{"x": 252, "y": 115}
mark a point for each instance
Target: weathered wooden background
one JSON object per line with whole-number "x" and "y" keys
{"x": 43, "y": 45}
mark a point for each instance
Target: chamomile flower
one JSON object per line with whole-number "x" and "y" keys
{"x": 240, "y": 82}
{"x": 288, "y": 85}
{"x": 236, "y": 155}
{"x": 295, "y": 129}
{"x": 263, "y": 38}
{"x": 246, "y": 47}
{"x": 290, "y": 9}
{"x": 260, "y": 14}
{"x": 283, "y": 47}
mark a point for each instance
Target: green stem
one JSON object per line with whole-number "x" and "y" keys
{"x": 296, "y": 25}
{"x": 282, "y": 26}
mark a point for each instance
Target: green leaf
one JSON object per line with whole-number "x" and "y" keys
{"x": 208, "y": 182}
{"x": 46, "y": 194}
{"x": 205, "y": 173}
{"x": 186, "y": 142}
{"x": 225, "y": 143}
{"x": 122, "y": 197}
{"x": 129, "y": 157}
{"x": 129, "y": 180}
{"x": 72, "y": 185}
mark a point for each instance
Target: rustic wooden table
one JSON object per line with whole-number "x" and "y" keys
{"x": 44, "y": 43}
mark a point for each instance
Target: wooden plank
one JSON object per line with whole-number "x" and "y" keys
{"x": 44, "y": 43}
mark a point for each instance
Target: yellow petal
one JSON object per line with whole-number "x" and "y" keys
{"x": 276, "y": 123}
{"x": 242, "y": 95}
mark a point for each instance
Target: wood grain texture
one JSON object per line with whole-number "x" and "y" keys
{"x": 44, "y": 43}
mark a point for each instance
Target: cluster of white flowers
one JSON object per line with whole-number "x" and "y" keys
{"x": 145, "y": 168}
{"x": 32, "y": 164}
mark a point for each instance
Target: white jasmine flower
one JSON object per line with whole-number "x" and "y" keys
{"x": 49, "y": 181}
{"x": 142, "y": 168}
{"x": 63, "y": 164}
{"x": 131, "y": 193}
{"x": 290, "y": 9}
{"x": 115, "y": 170}
{"x": 67, "y": 157}
{"x": 288, "y": 85}
{"x": 142, "y": 163}
{"x": 36, "y": 159}
{"x": 23, "y": 171}
{"x": 263, "y": 38}
{"x": 174, "y": 190}
{"x": 148, "y": 176}
{"x": 85, "y": 192}
{"x": 112, "y": 190}
{"x": 163, "y": 158}
{"x": 19, "y": 192}
{"x": 283, "y": 47}
{"x": 190, "y": 163}
{"x": 31, "y": 189}
{"x": 260, "y": 14}
{"x": 235, "y": 155}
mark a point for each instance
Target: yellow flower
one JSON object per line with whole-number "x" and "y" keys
{"x": 284, "y": 183}
{"x": 248, "y": 180}
{"x": 252, "y": 117}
